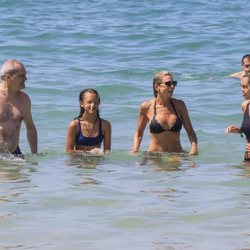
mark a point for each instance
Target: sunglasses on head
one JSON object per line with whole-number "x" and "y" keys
{"x": 169, "y": 83}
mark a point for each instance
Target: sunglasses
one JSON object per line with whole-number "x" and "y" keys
{"x": 169, "y": 83}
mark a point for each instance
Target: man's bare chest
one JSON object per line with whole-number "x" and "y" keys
{"x": 9, "y": 111}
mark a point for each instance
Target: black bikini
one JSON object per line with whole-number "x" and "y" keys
{"x": 245, "y": 126}
{"x": 89, "y": 141}
{"x": 156, "y": 128}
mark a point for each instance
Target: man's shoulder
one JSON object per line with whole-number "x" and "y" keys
{"x": 23, "y": 96}
{"x": 22, "y": 93}
{"x": 22, "y": 100}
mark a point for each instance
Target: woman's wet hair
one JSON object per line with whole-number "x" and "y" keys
{"x": 81, "y": 97}
{"x": 158, "y": 79}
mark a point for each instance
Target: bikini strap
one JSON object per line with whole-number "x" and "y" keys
{"x": 174, "y": 107}
{"x": 100, "y": 125}
{"x": 154, "y": 109}
{"x": 79, "y": 125}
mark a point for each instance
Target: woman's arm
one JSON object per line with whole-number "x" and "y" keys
{"x": 233, "y": 128}
{"x": 189, "y": 128}
{"x": 141, "y": 124}
{"x": 107, "y": 131}
{"x": 70, "y": 138}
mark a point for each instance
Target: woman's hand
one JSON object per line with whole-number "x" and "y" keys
{"x": 233, "y": 129}
{"x": 193, "y": 150}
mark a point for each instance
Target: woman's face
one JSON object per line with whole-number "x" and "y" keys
{"x": 167, "y": 86}
{"x": 90, "y": 102}
{"x": 245, "y": 87}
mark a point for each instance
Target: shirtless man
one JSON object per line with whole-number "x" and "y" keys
{"x": 15, "y": 107}
{"x": 245, "y": 62}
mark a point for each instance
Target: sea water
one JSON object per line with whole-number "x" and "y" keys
{"x": 122, "y": 201}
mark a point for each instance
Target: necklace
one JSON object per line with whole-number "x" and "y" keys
{"x": 90, "y": 130}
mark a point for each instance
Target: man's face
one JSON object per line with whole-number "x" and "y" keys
{"x": 246, "y": 65}
{"x": 19, "y": 78}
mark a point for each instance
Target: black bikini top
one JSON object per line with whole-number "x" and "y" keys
{"x": 89, "y": 141}
{"x": 156, "y": 128}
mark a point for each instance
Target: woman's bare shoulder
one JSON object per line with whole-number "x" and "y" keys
{"x": 178, "y": 102}
{"x": 74, "y": 123}
{"x": 244, "y": 104}
{"x": 105, "y": 122}
{"x": 147, "y": 104}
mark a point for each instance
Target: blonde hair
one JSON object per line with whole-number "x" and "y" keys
{"x": 158, "y": 78}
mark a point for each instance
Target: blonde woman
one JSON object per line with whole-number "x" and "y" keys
{"x": 165, "y": 116}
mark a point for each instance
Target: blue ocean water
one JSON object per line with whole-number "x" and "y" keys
{"x": 120, "y": 201}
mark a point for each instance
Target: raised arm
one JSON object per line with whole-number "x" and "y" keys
{"x": 237, "y": 74}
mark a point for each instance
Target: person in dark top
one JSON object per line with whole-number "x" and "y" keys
{"x": 165, "y": 116}
{"x": 88, "y": 131}
{"x": 245, "y": 126}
